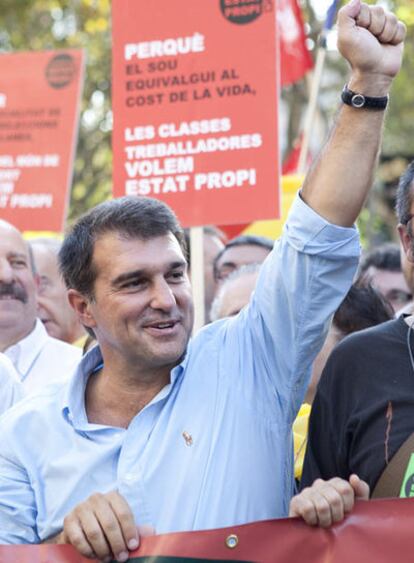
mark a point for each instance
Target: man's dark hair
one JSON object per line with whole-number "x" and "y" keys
{"x": 211, "y": 230}
{"x": 242, "y": 240}
{"x": 132, "y": 217}
{"x": 384, "y": 257}
{"x": 362, "y": 307}
{"x": 405, "y": 195}
{"x": 254, "y": 240}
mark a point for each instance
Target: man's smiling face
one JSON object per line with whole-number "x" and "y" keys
{"x": 142, "y": 306}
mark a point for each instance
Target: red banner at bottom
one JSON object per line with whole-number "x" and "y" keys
{"x": 377, "y": 531}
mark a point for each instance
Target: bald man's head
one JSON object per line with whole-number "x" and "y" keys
{"x": 235, "y": 292}
{"x": 54, "y": 310}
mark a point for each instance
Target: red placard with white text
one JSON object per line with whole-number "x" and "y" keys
{"x": 39, "y": 108}
{"x": 195, "y": 91}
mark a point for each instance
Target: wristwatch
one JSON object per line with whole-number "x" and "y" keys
{"x": 359, "y": 101}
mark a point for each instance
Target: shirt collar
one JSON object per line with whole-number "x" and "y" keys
{"x": 73, "y": 404}
{"x": 179, "y": 369}
{"x": 24, "y": 353}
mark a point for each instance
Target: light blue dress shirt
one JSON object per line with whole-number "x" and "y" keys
{"x": 214, "y": 447}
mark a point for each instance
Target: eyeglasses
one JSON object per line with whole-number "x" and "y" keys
{"x": 408, "y": 219}
{"x": 224, "y": 271}
{"x": 398, "y": 295}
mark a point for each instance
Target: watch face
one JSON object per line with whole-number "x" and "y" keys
{"x": 358, "y": 100}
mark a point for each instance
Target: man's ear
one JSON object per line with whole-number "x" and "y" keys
{"x": 406, "y": 242}
{"x": 82, "y": 307}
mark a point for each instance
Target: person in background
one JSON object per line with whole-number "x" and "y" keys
{"x": 408, "y": 270}
{"x": 363, "y": 307}
{"x": 213, "y": 243}
{"x": 381, "y": 267}
{"x": 11, "y": 390}
{"x": 54, "y": 310}
{"x": 361, "y": 421}
{"x": 37, "y": 357}
{"x": 234, "y": 292}
{"x": 242, "y": 250}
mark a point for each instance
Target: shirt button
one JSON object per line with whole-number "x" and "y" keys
{"x": 129, "y": 477}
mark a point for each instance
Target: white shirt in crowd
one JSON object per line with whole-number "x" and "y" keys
{"x": 11, "y": 390}
{"x": 40, "y": 359}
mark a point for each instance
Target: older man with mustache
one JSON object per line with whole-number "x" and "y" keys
{"x": 37, "y": 358}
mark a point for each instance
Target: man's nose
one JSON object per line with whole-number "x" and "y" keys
{"x": 6, "y": 271}
{"x": 163, "y": 297}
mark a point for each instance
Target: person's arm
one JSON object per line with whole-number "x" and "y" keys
{"x": 17, "y": 501}
{"x": 311, "y": 268}
{"x": 327, "y": 502}
{"x": 371, "y": 40}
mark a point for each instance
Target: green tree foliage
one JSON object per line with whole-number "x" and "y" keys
{"x": 399, "y": 133}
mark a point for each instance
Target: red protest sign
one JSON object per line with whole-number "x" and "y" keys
{"x": 39, "y": 107}
{"x": 377, "y": 531}
{"x": 195, "y": 107}
{"x": 295, "y": 57}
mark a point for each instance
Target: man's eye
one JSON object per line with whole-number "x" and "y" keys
{"x": 17, "y": 263}
{"x": 223, "y": 273}
{"x": 131, "y": 284}
{"x": 177, "y": 276}
{"x": 399, "y": 295}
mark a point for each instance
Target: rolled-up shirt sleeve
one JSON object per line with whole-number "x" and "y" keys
{"x": 300, "y": 285}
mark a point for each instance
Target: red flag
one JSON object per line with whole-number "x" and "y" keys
{"x": 233, "y": 231}
{"x": 295, "y": 59}
{"x": 291, "y": 162}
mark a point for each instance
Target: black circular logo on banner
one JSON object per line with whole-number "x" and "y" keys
{"x": 241, "y": 11}
{"x": 60, "y": 71}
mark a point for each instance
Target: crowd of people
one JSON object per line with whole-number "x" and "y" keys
{"x": 152, "y": 430}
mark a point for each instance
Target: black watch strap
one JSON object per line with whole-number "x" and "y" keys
{"x": 359, "y": 101}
